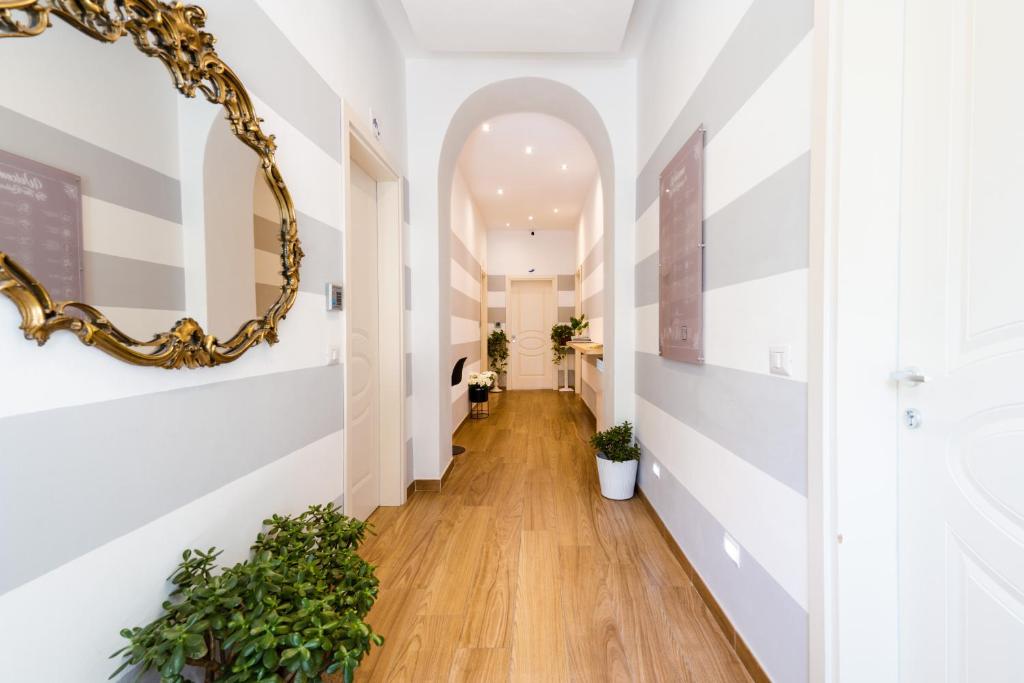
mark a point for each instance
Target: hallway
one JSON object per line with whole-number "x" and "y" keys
{"x": 520, "y": 570}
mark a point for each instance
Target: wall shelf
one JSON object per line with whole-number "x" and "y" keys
{"x": 587, "y": 348}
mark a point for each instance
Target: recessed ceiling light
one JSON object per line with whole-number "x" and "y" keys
{"x": 556, "y": 210}
{"x": 501, "y": 191}
{"x": 531, "y": 218}
{"x": 529, "y": 149}
{"x": 486, "y": 127}
{"x": 565, "y": 167}
{"x": 508, "y": 225}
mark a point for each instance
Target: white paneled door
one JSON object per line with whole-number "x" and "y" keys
{"x": 962, "y": 332}
{"x": 531, "y": 313}
{"x": 362, "y": 424}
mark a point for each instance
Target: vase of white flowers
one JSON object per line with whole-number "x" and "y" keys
{"x": 479, "y": 384}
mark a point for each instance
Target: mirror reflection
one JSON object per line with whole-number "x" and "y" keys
{"x": 122, "y": 194}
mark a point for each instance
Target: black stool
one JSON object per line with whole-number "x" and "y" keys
{"x": 456, "y": 381}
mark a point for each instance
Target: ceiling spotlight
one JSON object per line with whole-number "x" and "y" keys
{"x": 486, "y": 127}
{"x": 531, "y": 218}
{"x": 556, "y": 210}
{"x": 508, "y": 225}
{"x": 501, "y": 191}
{"x": 565, "y": 167}
{"x": 529, "y": 149}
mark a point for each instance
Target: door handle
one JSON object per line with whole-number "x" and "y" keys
{"x": 911, "y": 376}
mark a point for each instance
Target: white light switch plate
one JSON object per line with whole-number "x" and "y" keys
{"x": 779, "y": 360}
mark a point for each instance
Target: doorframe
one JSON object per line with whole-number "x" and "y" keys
{"x": 856, "y": 155}
{"x": 508, "y": 299}
{"x": 360, "y": 146}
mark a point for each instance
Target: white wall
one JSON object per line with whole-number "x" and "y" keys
{"x": 590, "y": 257}
{"x": 515, "y": 252}
{"x": 140, "y": 463}
{"x": 436, "y": 89}
{"x": 731, "y": 438}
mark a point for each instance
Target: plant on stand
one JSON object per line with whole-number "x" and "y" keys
{"x": 497, "y": 354}
{"x": 479, "y": 384}
{"x": 291, "y": 613}
{"x": 579, "y": 328}
{"x": 561, "y": 334}
{"x": 617, "y": 459}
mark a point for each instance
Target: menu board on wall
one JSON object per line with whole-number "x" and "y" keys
{"x": 681, "y": 254}
{"x": 41, "y": 223}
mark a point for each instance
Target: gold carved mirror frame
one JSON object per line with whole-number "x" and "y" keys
{"x": 173, "y": 34}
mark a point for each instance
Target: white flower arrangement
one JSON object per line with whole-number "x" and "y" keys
{"x": 482, "y": 379}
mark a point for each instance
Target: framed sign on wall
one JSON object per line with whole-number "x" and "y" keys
{"x": 681, "y": 254}
{"x": 41, "y": 223}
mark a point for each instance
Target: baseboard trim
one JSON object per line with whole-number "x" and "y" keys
{"x": 410, "y": 489}
{"x": 747, "y": 658}
{"x": 433, "y": 485}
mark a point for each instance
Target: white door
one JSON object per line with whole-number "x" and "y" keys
{"x": 531, "y": 313}
{"x": 962, "y": 326}
{"x": 362, "y": 418}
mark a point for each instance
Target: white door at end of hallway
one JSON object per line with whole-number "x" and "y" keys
{"x": 962, "y": 344}
{"x": 531, "y": 313}
{"x": 362, "y": 417}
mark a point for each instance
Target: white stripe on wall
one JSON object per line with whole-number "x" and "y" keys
{"x": 86, "y": 376}
{"x": 496, "y": 299}
{"x": 566, "y": 297}
{"x": 766, "y": 517}
{"x": 464, "y": 330}
{"x": 128, "y": 571}
{"x": 647, "y": 329}
{"x": 742, "y": 321}
{"x": 596, "y": 329}
{"x": 313, "y": 177}
{"x": 465, "y": 282}
{"x": 768, "y": 132}
{"x": 120, "y": 231}
{"x": 594, "y": 283}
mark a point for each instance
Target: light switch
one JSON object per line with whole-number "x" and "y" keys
{"x": 334, "y": 355}
{"x": 779, "y": 358}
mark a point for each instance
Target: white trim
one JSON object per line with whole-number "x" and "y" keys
{"x": 360, "y": 146}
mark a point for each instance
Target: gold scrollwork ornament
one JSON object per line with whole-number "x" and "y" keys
{"x": 172, "y": 33}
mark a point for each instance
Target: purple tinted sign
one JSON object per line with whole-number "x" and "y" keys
{"x": 681, "y": 254}
{"x": 41, "y": 223}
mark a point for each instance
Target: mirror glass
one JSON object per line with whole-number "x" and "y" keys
{"x": 119, "y": 192}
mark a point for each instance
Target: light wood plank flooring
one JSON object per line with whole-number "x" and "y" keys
{"x": 518, "y": 570}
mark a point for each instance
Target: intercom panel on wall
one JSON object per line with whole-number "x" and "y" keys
{"x": 681, "y": 254}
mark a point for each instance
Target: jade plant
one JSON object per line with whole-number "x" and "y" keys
{"x": 497, "y": 349}
{"x": 616, "y": 443}
{"x": 291, "y": 613}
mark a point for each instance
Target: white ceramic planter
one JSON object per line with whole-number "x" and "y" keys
{"x": 618, "y": 479}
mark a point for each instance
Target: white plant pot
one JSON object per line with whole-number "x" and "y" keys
{"x": 618, "y": 479}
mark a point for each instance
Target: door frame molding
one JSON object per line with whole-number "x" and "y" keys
{"x": 359, "y": 145}
{"x": 856, "y": 154}
{"x": 508, "y": 307}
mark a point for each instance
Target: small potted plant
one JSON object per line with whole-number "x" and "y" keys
{"x": 617, "y": 459}
{"x": 479, "y": 384}
{"x": 497, "y": 354}
{"x": 561, "y": 334}
{"x": 579, "y": 328}
{"x": 293, "y": 612}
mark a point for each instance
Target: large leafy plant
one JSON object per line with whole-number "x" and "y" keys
{"x": 497, "y": 350}
{"x": 561, "y": 334}
{"x": 290, "y": 614}
{"x": 616, "y": 443}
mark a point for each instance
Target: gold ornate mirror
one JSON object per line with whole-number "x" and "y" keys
{"x": 74, "y": 240}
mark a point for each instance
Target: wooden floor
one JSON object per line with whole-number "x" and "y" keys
{"x": 519, "y": 570}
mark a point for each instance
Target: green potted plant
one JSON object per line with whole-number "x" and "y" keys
{"x": 617, "y": 459}
{"x": 497, "y": 354}
{"x": 291, "y": 613}
{"x": 561, "y": 334}
{"x": 579, "y": 327}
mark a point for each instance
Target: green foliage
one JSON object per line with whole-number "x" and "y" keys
{"x": 561, "y": 334}
{"x": 497, "y": 350}
{"x": 616, "y": 443}
{"x": 290, "y": 614}
{"x": 579, "y": 325}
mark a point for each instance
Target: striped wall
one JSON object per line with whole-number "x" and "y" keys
{"x": 108, "y": 471}
{"x": 468, "y": 260}
{"x": 590, "y": 263}
{"x": 729, "y": 436}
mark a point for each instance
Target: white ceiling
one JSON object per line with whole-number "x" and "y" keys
{"x": 533, "y": 184}
{"x": 511, "y": 26}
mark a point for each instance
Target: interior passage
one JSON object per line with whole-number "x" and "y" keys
{"x": 520, "y": 570}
